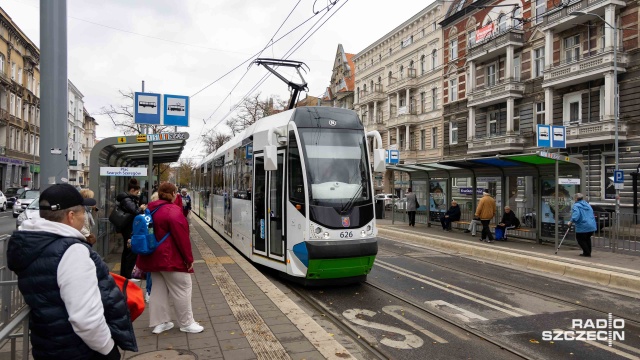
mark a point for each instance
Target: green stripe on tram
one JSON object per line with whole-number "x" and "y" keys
{"x": 339, "y": 268}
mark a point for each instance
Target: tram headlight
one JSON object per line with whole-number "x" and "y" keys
{"x": 363, "y": 233}
{"x": 368, "y": 228}
{"x": 326, "y": 234}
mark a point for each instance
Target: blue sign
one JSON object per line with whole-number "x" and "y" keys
{"x": 261, "y": 228}
{"x": 544, "y": 135}
{"x": 393, "y": 156}
{"x": 176, "y": 110}
{"x": 559, "y": 134}
{"x": 469, "y": 191}
{"x": 618, "y": 177}
{"x": 248, "y": 150}
{"x": 146, "y": 108}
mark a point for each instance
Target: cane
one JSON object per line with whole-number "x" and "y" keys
{"x": 565, "y": 235}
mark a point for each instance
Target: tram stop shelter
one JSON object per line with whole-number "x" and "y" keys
{"x": 530, "y": 184}
{"x": 114, "y": 160}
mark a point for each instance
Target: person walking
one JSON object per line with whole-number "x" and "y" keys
{"x": 77, "y": 311}
{"x": 584, "y": 220}
{"x": 129, "y": 203}
{"x": 186, "y": 202}
{"x": 170, "y": 265}
{"x": 509, "y": 221}
{"x": 453, "y": 214}
{"x": 412, "y": 203}
{"x": 486, "y": 210}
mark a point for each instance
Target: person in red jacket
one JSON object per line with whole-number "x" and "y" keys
{"x": 170, "y": 265}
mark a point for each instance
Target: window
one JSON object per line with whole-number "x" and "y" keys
{"x": 20, "y": 76}
{"x": 517, "y": 18}
{"x": 401, "y": 141}
{"x": 572, "y": 48}
{"x": 401, "y": 71}
{"x": 38, "y": 89}
{"x": 434, "y": 59}
{"x": 12, "y": 136}
{"x": 453, "y": 50}
{"x": 434, "y": 137}
{"x": 602, "y": 38}
{"x": 390, "y": 51}
{"x": 574, "y": 112}
{"x": 422, "y": 102}
{"x": 493, "y": 123}
{"x": 13, "y": 71}
{"x": 423, "y": 65}
{"x": 434, "y": 98}
{"x": 602, "y": 100}
{"x": 539, "y": 112}
{"x": 538, "y": 61}
{"x": 380, "y": 58}
{"x": 453, "y": 90}
{"x": 434, "y": 26}
{"x": 38, "y": 146}
{"x": 423, "y": 33}
{"x": 460, "y": 5}
{"x": 19, "y": 108}
{"x": 453, "y": 133}
{"x": 609, "y": 191}
{"x": 516, "y": 120}
{"x": 502, "y": 23}
{"x": 540, "y": 9}
{"x": 423, "y": 139}
{"x": 2, "y": 63}
{"x": 12, "y": 104}
{"x": 471, "y": 38}
{"x": 491, "y": 75}
{"x": 516, "y": 68}
{"x": 572, "y": 108}
{"x": 412, "y": 140}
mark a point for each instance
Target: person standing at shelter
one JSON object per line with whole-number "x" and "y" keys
{"x": 584, "y": 220}
{"x": 412, "y": 201}
{"x": 453, "y": 214}
{"x": 129, "y": 203}
{"x": 186, "y": 202}
{"x": 486, "y": 210}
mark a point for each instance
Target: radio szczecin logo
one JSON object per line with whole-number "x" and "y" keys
{"x": 608, "y": 330}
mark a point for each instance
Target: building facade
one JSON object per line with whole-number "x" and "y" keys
{"x": 511, "y": 65}
{"x": 19, "y": 106}
{"x": 89, "y": 127}
{"x": 75, "y": 123}
{"x": 399, "y": 90}
{"x": 341, "y": 92}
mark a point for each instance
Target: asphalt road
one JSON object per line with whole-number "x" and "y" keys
{"x": 7, "y": 222}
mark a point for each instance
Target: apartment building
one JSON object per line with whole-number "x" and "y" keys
{"x": 19, "y": 106}
{"x": 341, "y": 91}
{"x": 75, "y": 127}
{"x": 89, "y": 127}
{"x": 510, "y": 65}
{"x": 399, "y": 90}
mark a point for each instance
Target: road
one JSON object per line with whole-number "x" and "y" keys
{"x": 7, "y": 222}
{"x": 421, "y": 303}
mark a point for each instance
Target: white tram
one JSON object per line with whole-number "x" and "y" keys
{"x": 294, "y": 192}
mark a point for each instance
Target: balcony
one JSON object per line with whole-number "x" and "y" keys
{"x": 589, "y": 67}
{"x": 497, "y": 143}
{"x": 4, "y": 117}
{"x": 598, "y": 132}
{"x": 4, "y": 79}
{"x": 496, "y": 45}
{"x": 377, "y": 94}
{"x": 559, "y": 19}
{"x": 377, "y": 125}
{"x": 406, "y": 115}
{"x": 407, "y": 80}
{"x": 489, "y": 95}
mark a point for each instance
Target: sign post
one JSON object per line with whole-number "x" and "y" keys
{"x": 553, "y": 136}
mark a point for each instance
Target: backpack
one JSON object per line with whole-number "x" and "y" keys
{"x": 143, "y": 239}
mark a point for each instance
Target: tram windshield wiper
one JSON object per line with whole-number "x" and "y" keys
{"x": 349, "y": 204}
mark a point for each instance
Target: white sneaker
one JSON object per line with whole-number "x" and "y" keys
{"x": 194, "y": 328}
{"x": 163, "y": 327}
{"x": 146, "y": 297}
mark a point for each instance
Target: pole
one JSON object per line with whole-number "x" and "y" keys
{"x": 53, "y": 101}
{"x": 616, "y": 114}
{"x": 557, "y": 206}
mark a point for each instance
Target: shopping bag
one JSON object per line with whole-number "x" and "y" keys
{"x": 499, "y": 233}
{"x": 132, "y": 294}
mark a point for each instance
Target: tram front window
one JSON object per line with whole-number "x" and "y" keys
{"x": 337, "y": 166}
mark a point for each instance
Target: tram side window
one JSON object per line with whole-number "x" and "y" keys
{"x": 296, "y": 182}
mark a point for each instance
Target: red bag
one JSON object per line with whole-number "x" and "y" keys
{"x": 132, "y": 295}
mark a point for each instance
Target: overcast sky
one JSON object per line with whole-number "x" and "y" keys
{"x": 181, "y": 46}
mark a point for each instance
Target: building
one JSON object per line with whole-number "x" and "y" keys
{"x": 19, "y": 106}
{"x": 341, "y": 91}
{"x": 75, "y": 127}
{"x": 399, "y": 90}
{"x": 511, "y": 65}
{"x": 89, "y": 127}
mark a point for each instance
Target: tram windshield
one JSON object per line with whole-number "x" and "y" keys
{"x": 337, "y": 166}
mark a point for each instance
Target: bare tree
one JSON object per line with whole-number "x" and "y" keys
{"x": 253, "y": 109}
{"x": 213, "y": 140}
{"x": 122, "y": 116}
{"x": 185, "y": 171}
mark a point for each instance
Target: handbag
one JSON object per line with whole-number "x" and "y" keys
{"x": 137, "y": 273}
{"x": 132, "y": 295}
{"x": 417, "y": 204}
{"x": 120, "y": 219}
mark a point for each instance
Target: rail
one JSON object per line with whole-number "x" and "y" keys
{"x": 15, "y": 313}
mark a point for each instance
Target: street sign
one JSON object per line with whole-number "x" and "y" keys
{"x": 176, "y": 110}
{"x": 559, "y": 140}
{"x": 73, "y": 162}
{"x": 618, "y": 186}
{"x": 618, "y": 176}
{"x": 569, "y": 181}
{"x": 122, "y": 139}
{"x": 123, "y": 171}
{"x": 141, "y": 138}
{"x": 147, "y": 108}
{"x": 393, "y": 156}
{"x": 544, "y": 136}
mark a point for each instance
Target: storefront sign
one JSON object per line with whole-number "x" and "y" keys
{"x": 6, "y": 160}
{"x": 123, "y": 171}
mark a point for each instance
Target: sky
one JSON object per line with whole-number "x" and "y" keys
{"x": 182, "y": 46}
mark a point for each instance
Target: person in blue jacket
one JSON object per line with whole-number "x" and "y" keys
{"x": 453, "y": 214}
{"x": 584, "y": 220}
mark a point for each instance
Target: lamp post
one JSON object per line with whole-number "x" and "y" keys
{"x": 615, "y": 105}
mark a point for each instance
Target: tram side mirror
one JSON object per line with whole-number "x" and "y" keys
{"x": 270, "y": 158}
{"x": 378, "y": 160}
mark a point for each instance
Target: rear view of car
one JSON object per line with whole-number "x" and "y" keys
{"x": 24, "y": 200}
{"x": 12, "y": 194}
{"x": 31, "y": 212}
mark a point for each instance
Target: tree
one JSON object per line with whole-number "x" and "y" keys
{"x": 253, "y": 109}
{"x": 185, "y": 172}
{"x": 122, "y": 116}
{"x": 213, "y": 140}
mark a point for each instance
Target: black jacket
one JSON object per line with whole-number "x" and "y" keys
{"x": 510, "y": 219}
{"x": 454, "y": 213}
{"x": 129, "y": 203}
{"x": 34, "y": 256}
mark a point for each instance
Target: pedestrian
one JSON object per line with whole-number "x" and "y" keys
{"x": 129, "y": 203}
{"x": 171, "y": 266}
{"x": 412, "y": 205}
{"x": 584, "y": 220}
{"x": 473, "y": 225}
{"x": 77, "y": 311}
{"x": 89, "y": 222}
{"x": 453, "y": 214}
{"x": 509, "y": 221}
{"x": 486, "y": 210}
{"x": 186, "y": 202}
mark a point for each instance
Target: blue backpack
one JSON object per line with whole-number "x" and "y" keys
{"x": 143, "y": 239}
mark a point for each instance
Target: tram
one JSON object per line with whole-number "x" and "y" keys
{"x": 294, "y": 192}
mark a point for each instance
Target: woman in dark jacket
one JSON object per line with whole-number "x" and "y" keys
{"x": 509, "y": 221}
{"x": 129, "y": 203}
{"x": 170, "y": 265}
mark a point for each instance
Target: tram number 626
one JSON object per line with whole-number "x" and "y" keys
{"x": 346, "y": 234}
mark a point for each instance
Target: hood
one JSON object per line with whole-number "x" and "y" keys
{"x": 122, "y": 196}
{"x": 33, "y": 236}
{"x": 582, "y": 205}
{"x": 154, "y": 204}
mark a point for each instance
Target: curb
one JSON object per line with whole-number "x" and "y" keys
{"x": 582, "y": 273}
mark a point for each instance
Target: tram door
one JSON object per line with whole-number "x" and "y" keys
{"x": 268, "y": 200}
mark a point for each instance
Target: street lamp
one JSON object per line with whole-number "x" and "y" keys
{"x": 615, "y": 97}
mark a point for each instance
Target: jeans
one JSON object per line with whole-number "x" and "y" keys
{"x": 486, "y": 232}
{"x": 412, "y": 218}
{"x": 473, "y": 225}
{"x": 446, "y": 223}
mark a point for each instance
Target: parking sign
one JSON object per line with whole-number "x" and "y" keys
{"x": 618, "y": 176}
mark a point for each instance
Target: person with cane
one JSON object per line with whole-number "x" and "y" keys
{"x": 582, "y": 217}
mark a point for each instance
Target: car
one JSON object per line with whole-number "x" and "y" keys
{"x": 3, "y": 202}
{"x": 24, "y": 200}
{"x": 12, "y": 194}
{"x": 388, "y": 200}
{"x": 603, "y": 218}
{"x": 31, "y": 212}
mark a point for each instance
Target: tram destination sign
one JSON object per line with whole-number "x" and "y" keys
{"x": 167, "y": 136}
